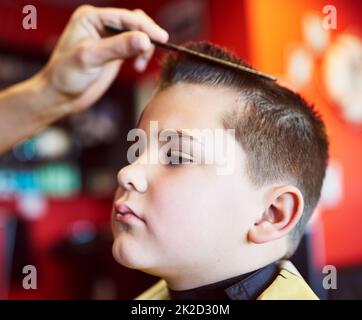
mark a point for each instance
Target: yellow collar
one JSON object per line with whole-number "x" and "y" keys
{"x": 288, "y": 285}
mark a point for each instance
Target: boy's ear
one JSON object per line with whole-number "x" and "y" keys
{"x": 284, "y": 209}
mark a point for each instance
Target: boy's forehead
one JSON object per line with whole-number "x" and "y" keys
{"x": 192, "y": 106}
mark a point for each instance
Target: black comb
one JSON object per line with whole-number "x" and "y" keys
{"x": 177, "y": 48}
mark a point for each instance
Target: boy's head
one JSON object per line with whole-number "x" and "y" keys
{"x": 206, "y": 226}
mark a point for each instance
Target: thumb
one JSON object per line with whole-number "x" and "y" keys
{"x": 96, "y": 53}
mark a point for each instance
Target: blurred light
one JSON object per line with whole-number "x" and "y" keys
{"x": 315, "y": 36}
{"x": 52, "y": 143}
{"x": 101, "y": 182}
{"x": 300, "y": 66}
{"x": 7, "y": 183}
{"x": 332, "y": 190}
{"x": 342, "y": 72}
{"x": 32, "y": 204}
{"x": 82, "y": 231}
{"x": 59, "y": 180}
{"x": 25, "y": 151}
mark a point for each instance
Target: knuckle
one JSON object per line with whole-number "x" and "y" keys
{"x": 86, "y": 8}
{"x": 144, "y": 15}
{"x": 139, "y": 11}
{"x": 82, "y": 54}
{"x": 83, "y": 9}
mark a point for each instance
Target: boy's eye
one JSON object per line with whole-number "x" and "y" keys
{"x": 176, "y": 159}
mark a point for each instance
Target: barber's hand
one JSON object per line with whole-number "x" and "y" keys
{"x": 86, "y": 59}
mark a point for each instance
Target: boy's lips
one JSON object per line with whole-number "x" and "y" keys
{"x": 123, "y": 212}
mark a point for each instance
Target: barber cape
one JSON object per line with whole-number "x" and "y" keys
{"x": 287, "y": 285}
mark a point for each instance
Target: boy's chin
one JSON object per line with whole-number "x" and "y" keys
{"x": 122, "y": 254}
{"x": 130, "y": 258}
{"x": 127, "y": 255}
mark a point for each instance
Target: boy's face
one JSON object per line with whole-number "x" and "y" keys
{"x": 192, "y": 217}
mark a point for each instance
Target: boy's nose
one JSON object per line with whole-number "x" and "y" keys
{"x": 133, "y": 178}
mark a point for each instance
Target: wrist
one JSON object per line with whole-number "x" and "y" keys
{"x": 50, "y": 103}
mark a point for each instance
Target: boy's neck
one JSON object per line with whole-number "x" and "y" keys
{"x": 197, "y": 278}
{"x": 243, "y": 287}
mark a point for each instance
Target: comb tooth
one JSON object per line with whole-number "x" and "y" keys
{"x": 177, "y": 48}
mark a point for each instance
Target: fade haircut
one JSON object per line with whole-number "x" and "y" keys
{"x": 284, "y": 138}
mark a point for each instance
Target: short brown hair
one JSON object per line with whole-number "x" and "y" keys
{"x": 282, "y": 135}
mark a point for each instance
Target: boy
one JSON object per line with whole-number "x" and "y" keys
{"x": 221, "y": 236}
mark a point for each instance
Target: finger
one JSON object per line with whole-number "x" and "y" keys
{"x": 142, "y": 60}
{"x": 95, "y": 53}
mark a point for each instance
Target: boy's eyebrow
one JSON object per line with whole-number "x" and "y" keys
{"x": 182, "y": 134}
